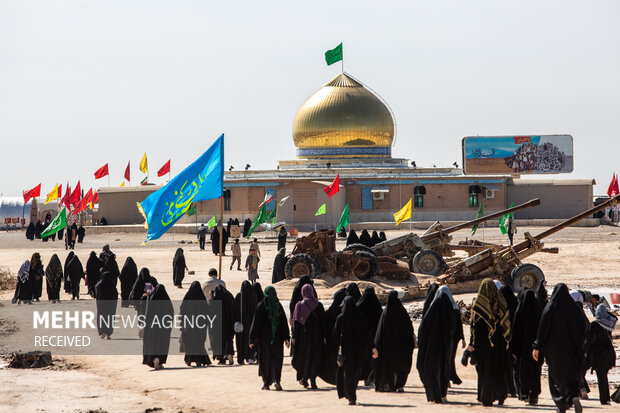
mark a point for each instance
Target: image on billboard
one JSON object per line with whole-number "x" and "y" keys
{"x": 515, "y": 155}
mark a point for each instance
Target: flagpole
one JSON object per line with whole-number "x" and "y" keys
{"x": 219, "y": 273}
{"x": 342, "y": 61}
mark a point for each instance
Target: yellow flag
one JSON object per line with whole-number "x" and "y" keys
{"x": 52, "y": 195}
{"x": 144, "y": 166}
{"x": 123, "y": 184}
{"x": 403, "y": 214}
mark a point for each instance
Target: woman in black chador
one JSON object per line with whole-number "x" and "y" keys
{"x": 366, "y": 239}
{"x": 157, "y": 330}
{"x": 524, "y": 329}
{"x": 511, "y": 303}
{"x": 354, "y": 291}
{"x": 560, "y": 340}
{"x": 393, "y": 346}
{"x": 36, "y": 275}
{"x": 75, "y": 273}
{"x": 67, "y": 280}
{"x": 128, "y": 277}
{"x": 282, "y": 238}
{"x": 244, "y": 307}
{"x": 308, "y": 337}
{"x": 278, "y": 266}
{"x": 224, "y": 350}
{"x": 194, "y": 331}
{"x": 352, "y": 238}
{"x": 142, "y": 287}
{"x": 351, "y": 334}
{"x": 93, "y": 272}
{"x": 178, "y": 268}
{"x": 600, "y": 354}
{"x": 110, "y": 265}
{"x": 215, "y": 241}
{"x": 246, "y": 227}
{"x": 107, "y": 299}
{"x": 439, "y": 333}
{"x": 23, "y": 289}
{"x": 490, "y": 332}
{"x": 374, "y": 240}
{"x": 296, "y": 296}
{"x": 329, "y": 366}
{"x": 371, "y": 309}
{"x": 268, "y": 333}
{"x": 53, "y": 278}
{"x": 30, "y": 231}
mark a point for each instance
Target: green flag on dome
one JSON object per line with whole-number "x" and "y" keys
{"x": 334, "y": 55}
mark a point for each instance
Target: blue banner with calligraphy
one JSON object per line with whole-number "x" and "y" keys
{"x": 202, "y": 180}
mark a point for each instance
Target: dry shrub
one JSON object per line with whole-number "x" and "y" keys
{"x": 7, "y": 279}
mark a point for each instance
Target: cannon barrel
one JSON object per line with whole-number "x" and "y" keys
{"x": 526, "y": 244}
{"x": 468, "y": 224}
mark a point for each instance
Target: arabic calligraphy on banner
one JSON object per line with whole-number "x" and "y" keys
{"x": 200, "y": 181}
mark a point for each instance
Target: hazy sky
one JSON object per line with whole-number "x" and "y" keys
{"x": 87, "y": 82}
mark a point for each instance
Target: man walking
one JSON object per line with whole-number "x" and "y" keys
{"x": 202, "y": 235}
{"x": 254, "y": 246}
{"x": 236, "y": 254}
{"x": 512, "y": 229}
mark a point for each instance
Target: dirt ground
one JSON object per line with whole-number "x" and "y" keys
{"x": 588, "y": 258}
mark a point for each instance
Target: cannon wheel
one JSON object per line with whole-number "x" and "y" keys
{"x": 300, "y": 264}
{"x": 367, "y": 266}
{"x": 428, "y": 262}
{"x": 526, "y": 275}
{"x": 358, "y": 247}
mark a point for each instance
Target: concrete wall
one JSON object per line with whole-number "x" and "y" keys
{"x": 557, "y": 200}
{"x": 305, "y": 199}
{"x": 118, "y": 205}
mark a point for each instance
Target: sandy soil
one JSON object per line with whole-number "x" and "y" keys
{"x": 589, "y": 258}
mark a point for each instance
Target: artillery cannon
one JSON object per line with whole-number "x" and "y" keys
{"x": 316, "y": 252}
{"x": 424, "y": 254}
{"x": 506, "y": 263}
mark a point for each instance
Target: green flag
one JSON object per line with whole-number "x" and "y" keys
{"x": 271, "y": 215}
{"x": 334, "y": 55}
{"x": 479, "y": 215}
{"x": 212, "y": 222}
{"x": 503, "y": 220}
{"x": 260, "y": 218}
{"x": 322, "y": 209}
{"x": 58, "y": 223}
{"x": 344, "y": 218}
{"x": 192, "y": 211}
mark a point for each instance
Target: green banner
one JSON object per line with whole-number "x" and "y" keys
{"x": 212, "y": 222}
{"x": 503, "y": 220}
{"x": 344, "y": 218}
{"x": 321, "y": 211}
{"x": 479, "y": 215}
{"x": 59, "y": 222}
{"x": 260, "y": 218}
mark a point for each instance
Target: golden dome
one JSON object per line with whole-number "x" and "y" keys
{"x": 343, "y": 119}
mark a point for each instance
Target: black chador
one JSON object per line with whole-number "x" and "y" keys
{"x": 366, "y": 239}
{"x": 128, "y": 277}
{"x": 490, "y": 332}
{"x": 354, "y": 291}
{"x": 244, "y": 307}
{"x": 156, "y": 342}
{"x": 139, "y": 291}
{"x": 371, "y": 309}
{"x": 351, "y": 335}
{"x": 352, "y": 238}
{"x": 107, "y": 299}
{"x": 374, "y": 240}
{"x": 194, "y": 329}
{"x": 439, "y": 330}
{"x": 329, "y": 366}
{"x": 278, "y": 266}
{"x": 224, "y": 350}
{"x": 524, "y": 329}
{"x": 308, "y": 337}
{"x": 394, "y": 344}
{"x": 110, "y": 265}
{"x": 53, "y": 278}
{"x": 560, "y": 339}
{"x": 215, "y": 241}
{"x": 67, "y": 280}
{"x": 268, "y": 333}
{"x": 178, "y": 267}
{"x": 36, "y": 275}
{"x": 75, "y": 273}
{"x": 296, "y": 296}
{"x": 93, "y": 271}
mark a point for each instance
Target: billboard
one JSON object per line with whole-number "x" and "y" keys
{"x": 515, "y": 155}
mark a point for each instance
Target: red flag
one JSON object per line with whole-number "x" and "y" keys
{"x": 65, "y": 199}
{"x": 164, "y": 169}
{"x": 333, "y": 188}
{"x": 60, "y": 192}
{"x": 101, "y": 172}
{"x": 127, "y": 176}
{"x": 96, "y": 198}
{"x": 32, "y": 193}
{"x": 615, "y": 189}
{"x": 75, "y": 195}
{"x": 83, "y": 203}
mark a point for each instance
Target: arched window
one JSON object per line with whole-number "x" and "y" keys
{"x": 418, "y": 196}
{"x": 474, "y": 193}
